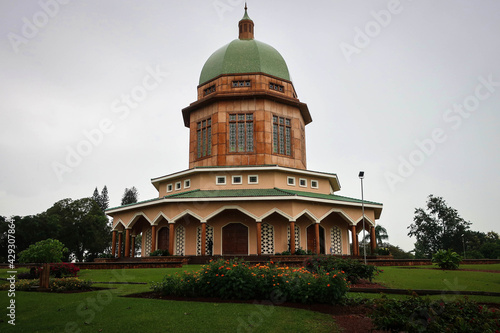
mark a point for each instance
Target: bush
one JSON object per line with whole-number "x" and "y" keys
{"x": 235, "y": 279}
{"x": 49, "y": 250}
{"x": 105, "y": 255}
{"x": 63, "y": 269}
{"x": 354, "y": 270}
{"x": 416, "y": 314}
{"x": 447, "y": 259}
{"x": 383, "y": 251}
{"x": 159, "y": 253}
{"x": 57, "y": 285}
{"x": 69, "y": 284}
{"x": 32, "y": 274}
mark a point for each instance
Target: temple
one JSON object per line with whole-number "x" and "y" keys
{"x": 247, "y": 190}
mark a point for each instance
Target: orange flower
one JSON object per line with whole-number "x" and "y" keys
{"x": 222, "y": 275}
{"x": 328, "y": 285}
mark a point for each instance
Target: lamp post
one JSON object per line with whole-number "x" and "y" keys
{"x": 361, "y": 176}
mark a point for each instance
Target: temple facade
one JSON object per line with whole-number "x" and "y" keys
{"x": 247, "y": 190}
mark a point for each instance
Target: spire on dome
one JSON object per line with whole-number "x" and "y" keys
{"x": 246, "y": 26}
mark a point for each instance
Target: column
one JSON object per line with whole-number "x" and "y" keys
{"x": 354, "y": 241}
{"x": 132, "y": 246}
{"x": 120, "y": 241}
{"x": 203, "y": 237}
{"x": 292, "y": 237}
{"x": 316, "y": 237}
{"x": 373, "y": 239}
{"x": 259, "y": 238}
{"x": 153, "y": 238}
{"x": 171, "y": 238}
{"x": 113, "y": 244}
{"x": 127, "y": 243}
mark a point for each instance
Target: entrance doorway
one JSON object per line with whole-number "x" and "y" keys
{"x": 311, "y": 239}
{"x": 163, "y": 237}
{"x": 235, "y": 239}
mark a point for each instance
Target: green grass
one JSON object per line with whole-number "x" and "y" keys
{"x": 452, "y": 280}
{"x": 108, "y": 311}
{"x": 436, "y": 279}
{"x": 104, "y": 310}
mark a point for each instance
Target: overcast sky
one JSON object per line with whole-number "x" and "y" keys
{"x": 407, "y": 91}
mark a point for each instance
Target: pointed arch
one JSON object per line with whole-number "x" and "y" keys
{"x": 158, "y": 217}
{"x": 342, "y": 214}
{"x": 307, "y": 213}
{"x": 220, "y": 210}
{"x": 360, "y": 220}
{"x": 136, "y": 218}
{"x": 278, "y": 211}
{"x": 120, "y": 222}
{"x": 185, "y": 213}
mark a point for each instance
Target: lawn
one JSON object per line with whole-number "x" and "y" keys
{"x": 107, "y": 311}
{"x": 421, "y": 277}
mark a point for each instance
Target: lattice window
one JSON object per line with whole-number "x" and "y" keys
{"x": 336, "y": 240}
{"x": 267, "y": 238}
{"x": 180, "y": 240}
{"x": 241, "y": 132}
{"x": 282, "y": 136}
{"x": 297, "y": 236}
{"x": 209, "y": 235}
{"x": 148, "y": 240}
{"x": 204, "y": 138}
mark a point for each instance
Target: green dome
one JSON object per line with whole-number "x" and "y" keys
{"x": 245, "y": 56}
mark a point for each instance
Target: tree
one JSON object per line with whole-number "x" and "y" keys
{"x": 130, "y": 196}
{"x": 380, "y": 235}
{"x": 84, "y": 227}
{"x": 398, "y": 253}
{"x": 101, "y": 199}
{"x": 96, "y": 196}
{"x": 29, "y": 230}
{"x": 104, "y": 203}
{"x": 437, "y": 227}
{"x": 46, "y": 251}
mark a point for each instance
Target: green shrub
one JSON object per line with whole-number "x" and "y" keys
{"x": 105, "y": 255}
{"x": 49, "y": 250}
{"x": 72, "y": 283}
{"x": 57, "y": 285}
{"x": 159, "y": 253}
{"x": 383, "y": 251}
{"x": 235, "y": 279}
{"x": 354, "y": 270}
{"x": 416, "y": 314}
{"x": 447, "y": 259}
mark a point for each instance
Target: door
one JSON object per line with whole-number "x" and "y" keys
{"x": 163, "y": 236}
{"x": 311, "y": 239}
{"x": 235, "y": 239}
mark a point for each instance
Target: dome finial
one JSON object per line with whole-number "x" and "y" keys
{"x": 246, "y": 26}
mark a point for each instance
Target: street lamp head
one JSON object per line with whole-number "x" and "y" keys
{"x": 361, "y": 174}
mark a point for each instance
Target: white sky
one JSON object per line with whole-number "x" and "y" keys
{"x": 369, "y": 108}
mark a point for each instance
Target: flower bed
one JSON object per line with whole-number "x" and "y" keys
{"x": 58, "y": 285}
{"x": 353, "y": 269}
{"x": 235, "y": 279}
{"x": 421, "y": 314}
